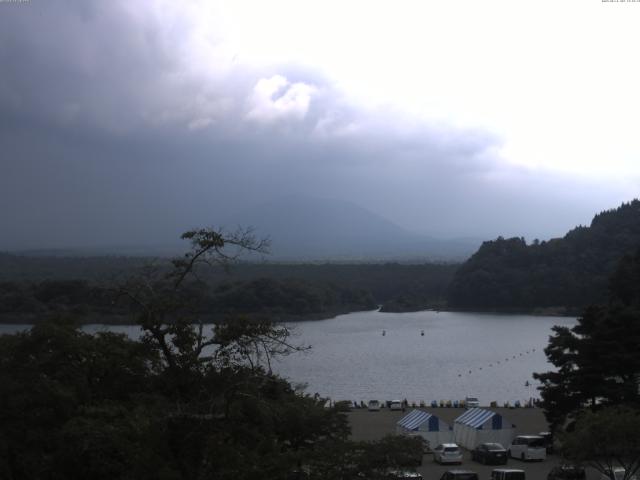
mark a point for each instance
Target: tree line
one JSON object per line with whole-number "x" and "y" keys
{"x": 281, "y": 299}
{"x": 283, "y": 291}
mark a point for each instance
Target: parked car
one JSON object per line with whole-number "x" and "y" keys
{"x": 617, "y": 474}
{"x": 471, "y": 402}
{"x": 459, "y": 475}
{"x": 447, "y": 453}
{"x": 490, "y": 453}
{"x": 567, "y": 472}
{"x": 528, "y": 447}
{"x": 373, "y": 405}
{"x": 395, "y": 405}
{"x": 507, "y": 474}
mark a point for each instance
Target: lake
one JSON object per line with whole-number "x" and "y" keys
{"x": 485, "y": 355}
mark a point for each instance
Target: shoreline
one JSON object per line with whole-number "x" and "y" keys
{"x": 369, "y": 426}
{"x": 117, "y": 319}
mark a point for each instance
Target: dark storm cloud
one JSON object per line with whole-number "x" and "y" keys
{"x": 108, "y": 137}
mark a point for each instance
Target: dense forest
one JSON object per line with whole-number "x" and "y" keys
{"x": 177, "y": 403}
{"x": 561, "y": 275}
{"x": 280, "y": 291}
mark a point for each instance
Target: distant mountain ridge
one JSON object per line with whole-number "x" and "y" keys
{"x": 560, "y": 275}
{"x": 308, "y": 228}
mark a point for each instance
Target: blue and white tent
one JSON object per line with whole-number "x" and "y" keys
{"x": 477, "y": 425}
{"x": 427, "y": 425}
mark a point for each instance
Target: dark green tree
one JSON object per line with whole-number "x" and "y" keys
{"x": 598, "y": 360}
{"x": 606, "y": 440}
{"x": 563, "y": 274}
{"x": 179, "y": 403}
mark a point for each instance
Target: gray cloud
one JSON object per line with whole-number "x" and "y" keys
{"x": 109, "y": 138}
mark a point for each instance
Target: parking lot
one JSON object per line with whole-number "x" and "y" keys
{"x": 367, "y": 425}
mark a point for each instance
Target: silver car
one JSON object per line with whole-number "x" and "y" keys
{"x": 447, "y": 453}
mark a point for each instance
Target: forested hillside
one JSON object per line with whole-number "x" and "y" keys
{"x": 563, "y": 274}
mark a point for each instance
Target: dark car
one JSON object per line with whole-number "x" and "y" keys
{"x": 490, "y": 454}
{"x": 459, "y": 475}
{"x": 567, "y": 472}
{"x": 508, "y": 474}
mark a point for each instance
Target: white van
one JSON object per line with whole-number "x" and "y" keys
{"x": 528, "y": 447}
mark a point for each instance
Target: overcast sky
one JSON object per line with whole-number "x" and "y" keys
{"x": 127, "y": 122}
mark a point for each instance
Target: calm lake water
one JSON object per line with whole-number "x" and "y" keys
{"x": 485, "y": 355}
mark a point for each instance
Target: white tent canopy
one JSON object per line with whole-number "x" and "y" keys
{"x": 427, "y": 425}
{"x": 476, "y": 426}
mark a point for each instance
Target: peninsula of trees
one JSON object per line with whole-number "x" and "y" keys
{"x": 30, "y": 291}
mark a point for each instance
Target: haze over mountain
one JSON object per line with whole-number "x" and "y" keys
{"x": 311, "y": 228}
{"x": 302, "y": 228}
{"x": 127, "y": 123}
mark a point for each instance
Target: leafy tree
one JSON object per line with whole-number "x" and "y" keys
{"x": 373, "y": 460}
{"x": 55, "y": 375}
{"x": 605, "y": 440}
{"x": 180, "y": 403}
{"x": 598, "y": 360}
{"x": 564, "y": 274}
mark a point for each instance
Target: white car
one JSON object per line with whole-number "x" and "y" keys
{"x": 373, "y": 405}
{"x": 528, "y": 447}
{"x": 395, "y": 405}
{"x": 447, "y": 453}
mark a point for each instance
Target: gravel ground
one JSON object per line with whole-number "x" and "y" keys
{"x": 367, "y": 425}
